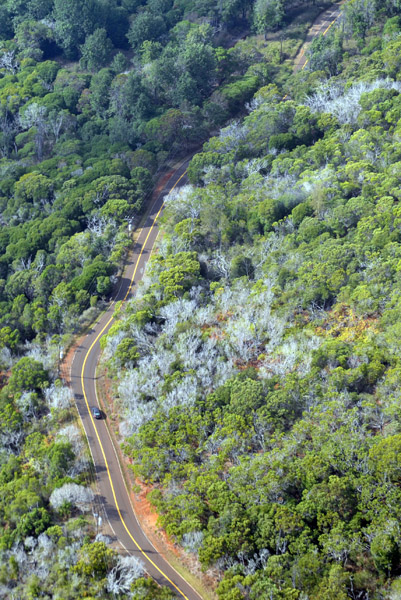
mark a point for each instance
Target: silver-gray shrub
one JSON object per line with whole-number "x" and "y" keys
{"x": 343, "y": 102}
{"x": 123, "y": 574}
{"x": 79, "y": 496}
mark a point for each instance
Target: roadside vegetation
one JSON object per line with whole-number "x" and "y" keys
{"x": 96, "y": 98}
{"x": 258, "y": 368}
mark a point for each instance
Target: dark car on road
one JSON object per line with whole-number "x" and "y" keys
{"x": 96, "y": 412}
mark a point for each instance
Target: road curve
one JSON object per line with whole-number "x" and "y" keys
{"x": 110, "y": 482}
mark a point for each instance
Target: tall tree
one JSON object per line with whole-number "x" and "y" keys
{"x": 74, "y": 21}
{"x": 96, "y": 51}
{"x": 359, "y": 15}
{"x": 268, "y": 15}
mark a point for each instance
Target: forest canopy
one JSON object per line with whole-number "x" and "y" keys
{"x": 257, "y": 371}
{"x": 258, "y": 368}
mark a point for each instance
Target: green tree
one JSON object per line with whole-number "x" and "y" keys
{"x": 31, "y": 9}
{"x": 95, "y": 560}
{"x": 74, "y": 21}
{"x": 385, "y": 552}
{"x": 27, "y": 374}
{"x": 33, "y": 187}
{"x": 61, "y": 456}
{"x": 385, "y": 457}
{"x": 144, "y": 27}
{"x": 103, "y": 285}
{"x": 6, "y": 28}
{"x": 359, "y": 16}
{"x": 246, "y": 396}
{"x": 9, "y": 338}
{"x": 268, "y": 15}
{"x": 96, "y": 51}
{"x": 100, "y": 91}
{"x": 126, "y": 352}
{"x": 178, "y": 273}
{"x": 32, "y": 38}
{"x": 119, "y": 63}
{"x": 34, "y": 522}
{"x": 325, "y": 53}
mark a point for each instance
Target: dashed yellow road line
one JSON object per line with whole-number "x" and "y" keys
{"x": 324, "y": 33}
{"x": 331, "y": 24}
{"x": 91, "y": 417}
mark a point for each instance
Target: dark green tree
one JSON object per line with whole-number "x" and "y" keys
{"x": 144, "y": 27}
{"x": 96, "y": 51}
{"x": 74, "y": 21}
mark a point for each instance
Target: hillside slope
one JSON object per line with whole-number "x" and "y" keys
{"x": 258, "y": 368}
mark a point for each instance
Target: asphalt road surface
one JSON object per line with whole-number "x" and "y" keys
{"x": 114, "y": 497}
{"x": 110, "y": 482}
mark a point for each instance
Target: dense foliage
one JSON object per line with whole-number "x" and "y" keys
{"x": 259, "y": 366}
{"x": 49, "y": 546}
{"x": 95, "y": 96}
{"x": 80, "y": 143}
{"x": 258, "y": 369}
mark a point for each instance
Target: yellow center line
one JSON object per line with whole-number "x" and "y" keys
{"x": 324, "y": 33}
{"x": 90, "y": 414}
{"x": 331, "y": 24}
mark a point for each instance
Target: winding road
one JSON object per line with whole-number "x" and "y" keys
{"x": 110, "y": 481}
{"x": 113, "y": 495}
